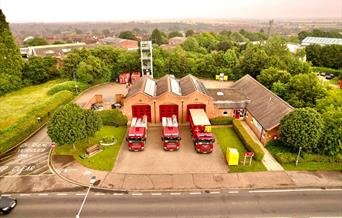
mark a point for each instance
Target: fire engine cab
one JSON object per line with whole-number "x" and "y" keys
{"x": 170, "y": 131}
{"x": 137, "y": 134}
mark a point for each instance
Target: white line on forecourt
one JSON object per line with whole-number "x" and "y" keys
{"x": 195, "y": 193}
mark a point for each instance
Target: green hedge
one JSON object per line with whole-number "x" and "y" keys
{"x": 25, "y": 126}
{"x": 69, "y": 85}
{"x": 221, "y": 120}
{"x": 284, "y": 155}
{"x": 113, "y": 117}
{"x": 247, "y": 140}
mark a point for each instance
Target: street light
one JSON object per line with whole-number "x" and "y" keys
{"x": 76, "y": 87}
{"x": 92, "y": 181}
{"x": 300, "y": 149}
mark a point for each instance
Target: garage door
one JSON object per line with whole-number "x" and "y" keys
{"x": 193, "y": 106}
{"x": 140, "y": 110}
{"x": 168, "y": 111}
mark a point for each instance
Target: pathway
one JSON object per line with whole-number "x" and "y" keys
{"x": 270, "y": 163}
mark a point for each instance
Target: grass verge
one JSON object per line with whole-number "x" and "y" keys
{"x": 306, "y": 161}
{"x": 226, "y": 137}
{"x": 104, "y": 160}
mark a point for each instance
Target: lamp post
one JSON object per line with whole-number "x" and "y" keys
{"x": 300, "y": 149}
{"x": 76, "y": 87}
{"x": 92, "y": 181}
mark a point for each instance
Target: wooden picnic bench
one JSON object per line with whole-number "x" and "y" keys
{"x": 92, "y": 150}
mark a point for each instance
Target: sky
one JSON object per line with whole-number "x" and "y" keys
{"x": 130, "y": 10}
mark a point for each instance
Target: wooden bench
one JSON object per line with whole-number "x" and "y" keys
{"x": 92, "y": 150}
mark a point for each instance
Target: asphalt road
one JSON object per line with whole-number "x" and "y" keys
{"x": 265, "y": 203}
{"x": 31, "y": 158}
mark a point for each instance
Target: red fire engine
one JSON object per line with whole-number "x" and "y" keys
{"x": 170, "y": 138}
{"x": 201, "y": 131}
{"x": 137, "y": 134}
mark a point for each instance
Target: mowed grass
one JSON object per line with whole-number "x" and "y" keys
{"x": 226, "y": 137}
{"x": 103, "y": 160}
{"x": 17, "y": 104}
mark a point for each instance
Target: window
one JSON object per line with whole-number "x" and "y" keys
{"x": 225, "y": 113}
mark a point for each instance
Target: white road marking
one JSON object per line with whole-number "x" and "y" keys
{"x": 233, "y": 192}
{"x": 25, "y": 194}
{"x": 175, "y": 193}
{"x": 213, "y": 193}
{"x": 195, "y": 193}
{"x": 117, "y": 193}
{"x": 99, "y": 194}
{"x": 136, "y": 194}
{"x": 156, "y": 193}
{"x": 283, "y": 190}
{"x": 62, "y": 194}
{"x": 6, "y": 195}
{"x": 43, "y": 194}
{"x": 80, "y": 194}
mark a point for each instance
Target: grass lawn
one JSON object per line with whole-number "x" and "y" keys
{"x": 306, "y": 162}
{"x": 17, "y": 104}
{"x": 100, "y": 161}
{"x": 227, "y": 137}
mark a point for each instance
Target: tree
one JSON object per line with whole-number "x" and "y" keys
{"x": 271, "y": 75}
{"x": 325, "y": 56}
{"x": 40, "y": 69}
{"x": 71, "y": 62}
{"x": 332, "y": 101}
{"x": 175, "y": 34}
{"x": 302, "y": 128}
{"x": 67, "y": 125}
{"x": 129, "y": 61}
{"x": 332, "y": 138}
{"x": 36, "y": 41}
{"x": 11, "y": 62}
{"x": 192, "y": 45}
{"x": 237, "y": 37}
{"x": 127, "y": 35}
{"x": 58, "y": 42}
{"x": 93, "y": 122}
{"x": 158, "y": 37}
{"x": 304, "y": 90}
{"x": 252, "y": 61}
{"x": 189, "y": 33}
{"x": 93, "y": 70}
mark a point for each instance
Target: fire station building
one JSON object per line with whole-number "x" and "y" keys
{"x": 245, "y": 99}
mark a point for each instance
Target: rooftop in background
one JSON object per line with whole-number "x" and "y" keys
{"x": 51, "y": 50}
{"x": 321, "y": 41}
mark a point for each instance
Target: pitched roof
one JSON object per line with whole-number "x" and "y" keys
{"x": 266, "y": 107}
{"x": 321, "y": 41}
{"x": 138, "y": 86}
{"x": 190, "y": 84}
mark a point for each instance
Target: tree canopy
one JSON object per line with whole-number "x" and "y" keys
{"x": 36, "y": 41}
{"x": 11, "y": 63}
{"x": 302, "y": 128}
{"x": 158, "y": 37}
{"x": 127, "y": 35}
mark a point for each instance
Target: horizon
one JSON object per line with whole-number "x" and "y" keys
{"x": 39, "y": 11}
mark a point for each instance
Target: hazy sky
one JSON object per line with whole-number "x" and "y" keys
{"x": 124, "y": 10}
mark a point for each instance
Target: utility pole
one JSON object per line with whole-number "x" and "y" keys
{"x": 92, "y": 181}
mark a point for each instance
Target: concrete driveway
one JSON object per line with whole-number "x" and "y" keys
{"x": 154, "y": 160}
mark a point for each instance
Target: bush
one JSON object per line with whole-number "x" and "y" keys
{"x": 113, "y": 118}
{"x": 69, "y": 85}
{"x": 221, "y": 120}
{"x": 247, "y": 140}
{"x": 25, "y": 126}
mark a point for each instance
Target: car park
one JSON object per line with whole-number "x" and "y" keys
{"x": 7, "y": 204}
{"x": 97, "y": 107}
{"x": 330, "y": 76}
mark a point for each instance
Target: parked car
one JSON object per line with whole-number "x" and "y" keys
{"x": 322, "y": 73}
{"x": 97, "y": 107}
{"x": 330, "y": 76}
{"x": 7, "y": 204}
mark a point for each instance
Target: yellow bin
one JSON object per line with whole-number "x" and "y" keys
{"x": 232, "y": 156}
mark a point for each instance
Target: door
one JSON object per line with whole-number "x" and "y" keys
{"x": 140, "y": 110}
{"x": 168, "y": 111}
{"x": 193, "y": 106}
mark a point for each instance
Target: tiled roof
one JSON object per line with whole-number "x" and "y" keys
{"x": 190, "y": 84}
{"x": 265, "y": 106}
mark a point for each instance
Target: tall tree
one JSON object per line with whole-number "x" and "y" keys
{"x": 271, "y": 75}
{"x": 93, "y": 123}
{"x": 302, "y": 128}
{"x": 40, "y": 69}
{"x": 67, "y": 125}
{"x": 158, "y": 37}
{"x": 175, "y": 34}
{"x": 11, "y": 62}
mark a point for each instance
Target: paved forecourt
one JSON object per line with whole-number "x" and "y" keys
{"x": 154, "y": 160}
